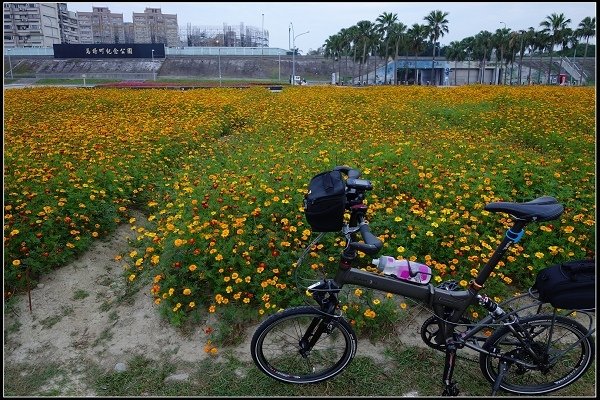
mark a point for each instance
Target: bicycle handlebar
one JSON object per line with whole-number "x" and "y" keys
{"x": 372, "y": 243}
{"x": 349, "y": 171}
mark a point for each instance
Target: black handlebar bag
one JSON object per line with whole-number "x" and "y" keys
{"x": 325, "y": 202}
{"x": 570, "y": 285}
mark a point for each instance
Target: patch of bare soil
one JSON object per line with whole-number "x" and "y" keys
{"x": 81, "y": 316}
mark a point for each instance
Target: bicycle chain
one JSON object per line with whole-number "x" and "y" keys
{"x": 432, "y": 321}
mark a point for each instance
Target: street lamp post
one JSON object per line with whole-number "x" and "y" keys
{"x": 9, "y": 64}
{"x": 153, "y": 72}
{"x": 294, "y": 52}
{"x": 522, "y": 32}
{"x": 219, "y": 66}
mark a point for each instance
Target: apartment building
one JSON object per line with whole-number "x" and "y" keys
{"x": 152, "y": 26}
{"x": 100, "y": 26}
{"x": 69, "y": 28}
{"x": 31, "y": 24}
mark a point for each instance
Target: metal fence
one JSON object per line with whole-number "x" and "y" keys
{"x": 169, "y": 51}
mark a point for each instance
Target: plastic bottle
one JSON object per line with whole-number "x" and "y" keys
{"x": 403, "y": 269}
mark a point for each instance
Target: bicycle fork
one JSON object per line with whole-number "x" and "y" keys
{"x": 317, "y": 327}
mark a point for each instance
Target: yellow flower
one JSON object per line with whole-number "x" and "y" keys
{"x": 16, "y": 263}
{"x": 131, "y": 277}
{"x": 178, "y": 242}
{"x": 171, "y": 291}
{"x": 192, "y": 304}
{"x": 192, "y": 267}
{"x": 187, "y": 292}
{"x": 369, "y": 313}
{"x": 358, "y": 292}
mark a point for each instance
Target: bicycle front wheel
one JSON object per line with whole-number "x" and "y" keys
{"x": 556, "y": 355}
{"x": 303, "y": 345}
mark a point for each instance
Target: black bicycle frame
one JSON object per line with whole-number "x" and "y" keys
{"x": 439, "y": 300}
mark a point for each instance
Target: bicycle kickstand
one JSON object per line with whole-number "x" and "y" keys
{"x": 502, "y": 368}
{"x": 450, "y": 386}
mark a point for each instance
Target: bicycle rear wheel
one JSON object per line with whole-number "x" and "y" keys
{"x": 281, "y": 348}
{"x": 566, "y": 353}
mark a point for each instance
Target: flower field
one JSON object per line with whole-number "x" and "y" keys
{"x": 221, "y": 173}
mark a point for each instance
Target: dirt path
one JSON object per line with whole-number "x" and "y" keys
{"x": 79, "y": 316}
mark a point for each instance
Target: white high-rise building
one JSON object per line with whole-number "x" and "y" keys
{"x": 31, "y": 24}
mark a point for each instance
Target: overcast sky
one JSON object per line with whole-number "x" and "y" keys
{"x": 324, "y": 19}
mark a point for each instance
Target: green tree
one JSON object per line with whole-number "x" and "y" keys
{"x": 437, "y": 26}
{"x": 385, "y": 24}
{"x": 482, "y": 51}
{"x": 455, "y": 52}
{"x": 529, "y": 43}
{"x": 500, "y": 42}
{"x": 399, "y": 38}
{"x": 468, "y": 44}
{"x": 365, "y": 31}
{"x": 554, "y": 25}
{"x": 333, "y": 48}
{"x": 417, "y": 35}
{"x": 587, "y": 30}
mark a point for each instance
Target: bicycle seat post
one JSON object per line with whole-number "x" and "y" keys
{"x": 513, "y": 235}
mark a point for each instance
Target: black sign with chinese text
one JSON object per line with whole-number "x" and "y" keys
{"x": 110, "y": 50}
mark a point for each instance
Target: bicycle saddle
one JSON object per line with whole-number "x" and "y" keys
{"x": 543, "y": 208}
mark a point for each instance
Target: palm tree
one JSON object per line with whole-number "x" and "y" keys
{"x": 500, "y": 42}
{"x": 437, "y": 26}
{"x": 587, "y": 29}
{"x": 483, "y": 48}
{"x": 365, "y": 34}
{"x": 573, "y": 42}
{"x": 398, "y": 36}
{"x": 332, "y": 49}
{"x": 468, "y": 45}
{"x": 542, "y": 42}
{"x": 346, "y": 44}
{"x": 529, "y": 41}
{"x": 554, "y": 25}
{"x": 417, "y": 34}
{"x": 522, "y": 35}
{"x": 353, "y": 38}
{"x": 456, "y": 52}
{"x": 385, "y": 23}
{"x": 514, "y": 42}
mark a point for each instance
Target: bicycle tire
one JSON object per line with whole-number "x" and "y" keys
{"x": 544, "y": 378}
{"x": 277, "y": 352}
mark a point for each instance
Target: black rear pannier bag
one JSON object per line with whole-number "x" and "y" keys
{"x": 325, "y": 202}
{"x": 570, "y": 285}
